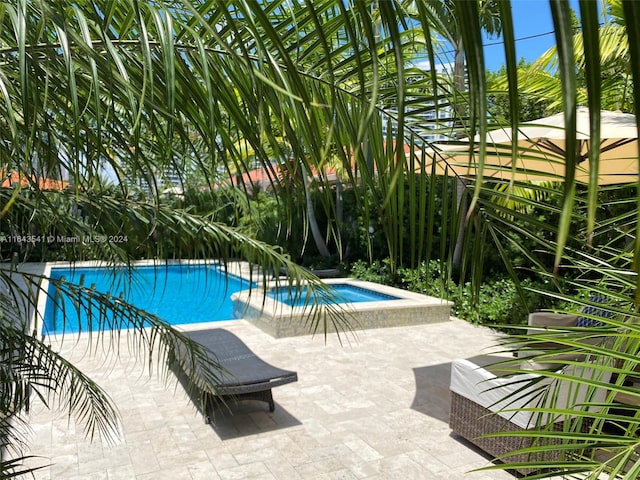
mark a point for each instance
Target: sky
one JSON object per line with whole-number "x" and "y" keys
{"x": 533, "y": 29}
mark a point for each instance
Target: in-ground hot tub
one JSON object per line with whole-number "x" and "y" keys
{"x": 363, "y": 304}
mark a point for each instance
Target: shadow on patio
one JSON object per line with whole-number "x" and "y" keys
{"x": 432, "y": 391}
{"x": 250, "y": 418}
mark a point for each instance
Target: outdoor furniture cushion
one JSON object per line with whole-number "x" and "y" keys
{"x": 538, "y": 323}
{"x": 586, "y": 320}
{"x": 247, "y": 376}
{"x": 548, "y": 319}
{"x": 582, "y": 319}
{"x": 482, "y": 381}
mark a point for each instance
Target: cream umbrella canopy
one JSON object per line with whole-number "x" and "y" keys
{"x": 541, "y": 151}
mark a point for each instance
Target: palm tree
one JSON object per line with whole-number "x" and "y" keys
{"x": 128, "y": 84}
{"x": 616, "y": 80}
{"x": 446, "y": 22}
{"x": 119, "y": 88}
{"x": 562, "y": 223}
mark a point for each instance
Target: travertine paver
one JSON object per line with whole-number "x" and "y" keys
{"x": 371, "y": 408}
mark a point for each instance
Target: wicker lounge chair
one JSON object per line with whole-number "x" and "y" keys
{"x": 481, "y": 404}
{"x": 477, "y": 388}
{"x": 247, "y": 376}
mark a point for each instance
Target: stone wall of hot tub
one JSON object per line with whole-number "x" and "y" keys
{"x": 282, "y": 321}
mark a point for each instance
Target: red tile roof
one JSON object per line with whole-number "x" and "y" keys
{"x": 11, "y": 179}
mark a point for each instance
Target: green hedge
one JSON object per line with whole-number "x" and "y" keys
{"x": 496, "y": 303}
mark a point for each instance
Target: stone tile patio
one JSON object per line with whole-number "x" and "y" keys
{"x": 372, "y": 408}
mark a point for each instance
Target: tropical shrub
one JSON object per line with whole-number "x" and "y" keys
{"x": 498, "y": 303}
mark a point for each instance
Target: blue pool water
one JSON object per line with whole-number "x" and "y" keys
{"x": 178, "y": 294}
{"x": 344, "y": 293}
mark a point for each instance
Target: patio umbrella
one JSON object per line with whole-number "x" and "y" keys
{"x": 541, "y": 151}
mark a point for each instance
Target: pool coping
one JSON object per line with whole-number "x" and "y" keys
{"x": 282, "y": 320}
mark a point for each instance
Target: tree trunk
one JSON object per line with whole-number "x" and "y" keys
{"x": 318, "y": 238}
{"x": 462, "y": 201}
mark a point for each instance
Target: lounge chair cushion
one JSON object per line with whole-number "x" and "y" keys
{"x": 244, "y": 367}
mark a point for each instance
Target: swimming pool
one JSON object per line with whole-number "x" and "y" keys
{"x": 342, "y": 293}
{"x": 184, "y": 293}
{"x": 179, "y": 294}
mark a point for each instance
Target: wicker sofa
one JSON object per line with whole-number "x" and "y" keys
{"x": 480, "y": 385}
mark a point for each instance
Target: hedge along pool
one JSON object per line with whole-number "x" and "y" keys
{"x": 179, "y": 294}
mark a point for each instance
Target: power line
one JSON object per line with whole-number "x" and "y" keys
{"x": 500, "y": 42}
{"x": 530, "y": 37}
